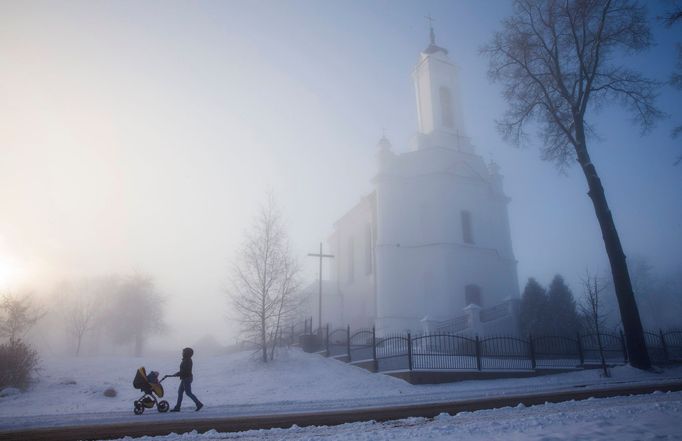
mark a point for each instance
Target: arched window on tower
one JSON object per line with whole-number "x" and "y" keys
{"x": 472, "y": 294}
{"x": 446, "y": 107}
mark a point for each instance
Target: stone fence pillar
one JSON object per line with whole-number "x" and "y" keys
{"x": 474, "y": 313}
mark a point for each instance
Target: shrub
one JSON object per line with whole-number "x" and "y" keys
{"x": 17, "y": 362}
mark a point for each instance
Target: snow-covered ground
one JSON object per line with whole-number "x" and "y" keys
{"x": 70, "y": 390}
{"x": 639, "y": 418}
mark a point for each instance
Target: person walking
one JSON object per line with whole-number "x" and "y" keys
{"x": 185, "y": 374}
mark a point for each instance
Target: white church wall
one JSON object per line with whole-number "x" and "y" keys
{"x": 353, "y": 245}
{"x": 425, "y": 263}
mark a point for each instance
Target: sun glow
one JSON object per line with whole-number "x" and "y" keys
{"x": 9, "y": 273}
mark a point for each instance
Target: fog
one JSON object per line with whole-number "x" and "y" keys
{"x": 141, "y": 138}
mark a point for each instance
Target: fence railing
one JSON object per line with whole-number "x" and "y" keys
{"x": 449, "y": 351}
{"x": 454, "y": 325}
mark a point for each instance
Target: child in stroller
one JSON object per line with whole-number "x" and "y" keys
{"x": 151, "y": 386}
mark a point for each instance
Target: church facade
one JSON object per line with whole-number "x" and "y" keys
{"x": 429, "y": 250}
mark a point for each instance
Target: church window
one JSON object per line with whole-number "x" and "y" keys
{"x": 368, "y": 249}
{"x": 351, "y": 260}
{"x": 472, "y": 294}
{"x": 467, "y": 234}
{"x": 446, "y": 107}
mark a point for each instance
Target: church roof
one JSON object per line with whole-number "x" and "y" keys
{"x": 367, "y": 204}
{"x": 433, "y": 48}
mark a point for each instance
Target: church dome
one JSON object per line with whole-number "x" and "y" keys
{"x": 384, "y": 143}
{"x": 433, "y": 47}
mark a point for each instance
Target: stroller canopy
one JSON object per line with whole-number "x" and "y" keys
{"x": 141, "y": 381}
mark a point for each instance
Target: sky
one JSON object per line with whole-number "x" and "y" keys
{"x": 142, "y": 136}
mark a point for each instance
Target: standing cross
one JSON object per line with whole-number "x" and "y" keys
{"x": 321, "y": 256}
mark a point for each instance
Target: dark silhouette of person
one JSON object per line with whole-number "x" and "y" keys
{"x": 185, "y": 374}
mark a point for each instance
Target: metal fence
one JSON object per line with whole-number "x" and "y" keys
{"x": 362, "y": 344}
{"x": 393, "y": 352}
{"x": 506, "y": 353}
{"x": 444, "y": 351}
{"x": 610, "y": 346}
{"x": 557, "y": 352}
{"x": 337, "y": 342}
{"x": 673, "y": 344}
{"x": 449, "y": 351}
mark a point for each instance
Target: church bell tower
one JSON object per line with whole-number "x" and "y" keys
{"x": 439, "y": 109}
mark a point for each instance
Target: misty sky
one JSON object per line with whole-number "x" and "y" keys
{"x": 141, "y": 136}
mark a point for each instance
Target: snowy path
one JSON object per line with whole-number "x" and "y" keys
{"x": 164, "y": 426}
{"x": 648, "y": 417}
{"x": 70, "y": 390}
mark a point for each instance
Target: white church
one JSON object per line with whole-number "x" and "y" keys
{"x": 429, "y": 249}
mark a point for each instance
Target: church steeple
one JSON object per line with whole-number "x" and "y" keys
{"x": 438, "y": 107}
{"x": 433, "y": 47}
{"x": 384, "y": 153}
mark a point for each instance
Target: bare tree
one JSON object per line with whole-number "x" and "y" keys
{"x": 79, "y": 309}
{"x": 18, "y": 316}
{"x": 264, "y": 279}
{"x": 555, "y": 60}
{"x": 593, "y": 311}
{"x": 672, "y": 16}
{"x": 135, "y": 311}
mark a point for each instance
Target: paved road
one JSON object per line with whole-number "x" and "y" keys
{"x": 240, "y": 423}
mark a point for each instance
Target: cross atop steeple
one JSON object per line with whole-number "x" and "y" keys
{"x": 432, "y": 34}
{"x": 433, "y": 47}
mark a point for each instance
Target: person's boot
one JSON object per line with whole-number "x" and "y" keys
{"x": 175, "y": 409}
{"x": 199, "y": 406}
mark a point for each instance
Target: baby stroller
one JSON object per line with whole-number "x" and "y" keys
{"x": 151, "y": 386}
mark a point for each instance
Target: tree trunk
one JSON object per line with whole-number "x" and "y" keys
{"x": 264, "y": 344}
{"x": 632, "y": 326}
{"x": 78, "y": 346}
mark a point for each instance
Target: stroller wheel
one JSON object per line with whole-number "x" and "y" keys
{"x": 139, "y": 408}
{"x": 163, "y": 406}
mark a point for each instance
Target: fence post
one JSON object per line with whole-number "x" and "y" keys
{"x": 409, "y": 350}
{"x": 478, "y": 353}
{"x": 665, "y": 347}
{"x": 327, "y": 338}
{"x": 580, "y": 350}
{"x": 622, "y": 343}
{"x": 348, "y": 341}
{"x": 374, "y": 349}
{"x": 532, "y": 351}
